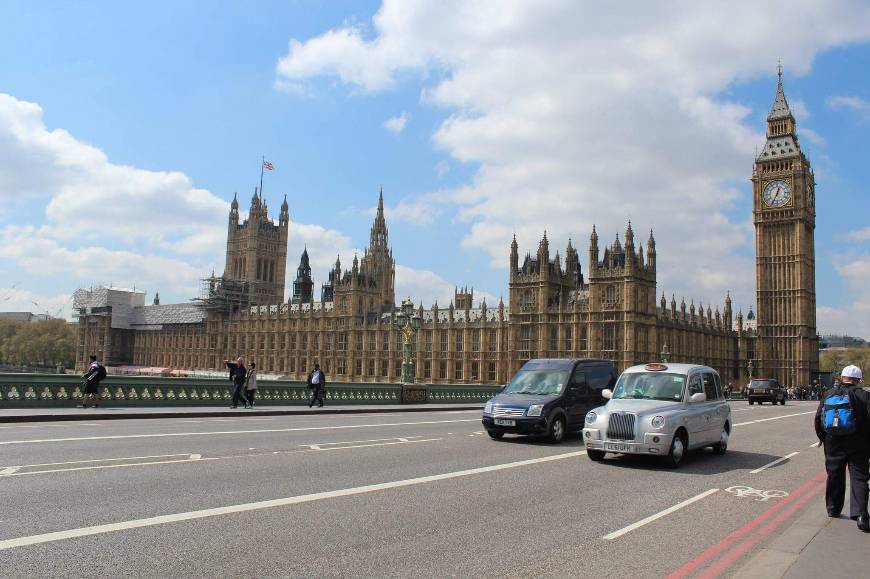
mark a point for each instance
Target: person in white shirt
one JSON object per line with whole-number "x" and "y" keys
{"x": 317, "y": 385}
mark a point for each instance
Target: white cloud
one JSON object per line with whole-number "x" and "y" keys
{"x": 428, "y": 286}
{"x": 811, "y": 136}
{"x": 41, "y": 256}
{"x": 799, "y": 109}
{"x": 578, "y": 113}
{"x": 853, "y": 103}
{"x": 396, "y": 124}
{"x": 89, "y": 198}
{"x": 421, "y": 211}
{"x": 13, "y": 299}
{"x": 854, "y": 317}
{"x": 860, "y": 235}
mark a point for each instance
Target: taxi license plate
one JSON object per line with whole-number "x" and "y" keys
{"x": 613, "y": 447}
{"x": 505, "y": 422}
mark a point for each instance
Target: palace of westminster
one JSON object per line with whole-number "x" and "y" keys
{"x": 555, "y": 309}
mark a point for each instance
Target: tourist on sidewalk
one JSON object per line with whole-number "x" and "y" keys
{"x": 317, "y": 385}
{"x": 240, "y": 373}
{"x": 251, "y": 384}
{"x": 843, "y": 427}
{"x": 92, "y": 377}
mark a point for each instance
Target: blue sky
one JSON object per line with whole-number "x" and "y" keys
{"x": 126, "y": 129}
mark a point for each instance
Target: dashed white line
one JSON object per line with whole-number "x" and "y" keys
{"x": 227, "y": 432}
{"x": 815, "y": 444}
{"x": 774, "y": 463}
{"x": 768, "y": 419}
{"x": 659, "y": 515}
{"x": 283, "y": 502}
{"x": 101, "y": 460}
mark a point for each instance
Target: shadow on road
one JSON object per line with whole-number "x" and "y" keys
{"x": 702, "y": 462}
{"x": 571, "y": 441}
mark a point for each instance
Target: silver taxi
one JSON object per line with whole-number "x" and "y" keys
{"x": 660, "y": 409}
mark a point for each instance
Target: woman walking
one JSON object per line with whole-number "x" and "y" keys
{"x": 251, "y": 385}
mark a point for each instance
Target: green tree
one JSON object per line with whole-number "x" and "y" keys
{"x": 45, "y": 343}
{"x": 835, "y": 360}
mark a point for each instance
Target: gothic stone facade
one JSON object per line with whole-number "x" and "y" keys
{"x": 553, "y": 310}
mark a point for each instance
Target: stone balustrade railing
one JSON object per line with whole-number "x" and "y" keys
{"x": 57, "y": 390}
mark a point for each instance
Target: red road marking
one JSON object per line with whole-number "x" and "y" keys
{"x": 725, "y": 562}
{"x": 733, "y": 537}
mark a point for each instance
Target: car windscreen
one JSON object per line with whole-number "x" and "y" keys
{"x": 650, "y": 386}
{"x": 762, "y": 384}
{"x": 538, "y": 382}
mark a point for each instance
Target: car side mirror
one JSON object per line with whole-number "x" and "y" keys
{"x": 698, "y": 397}
{"x": 607, "y": 393}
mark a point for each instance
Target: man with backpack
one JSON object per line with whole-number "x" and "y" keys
{"x": 843, "y": 427}
{"x": 95, "y": 374}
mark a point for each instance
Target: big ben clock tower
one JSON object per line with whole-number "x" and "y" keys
{"x": 784, "y": 214}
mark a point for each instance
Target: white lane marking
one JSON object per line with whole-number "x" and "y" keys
{"x": 101, "y": 460}
{"x": 761, "y": 419}
{"x": 102, "y": 466}
{"x": 9, "y": 470}
{"x": 195, "y": 456}
{"x": 659, "y": 515}
{"x": 222, "y": 432}
{"x": 245, "y": 507}
{"x": 774, "y": 463}
{"x": 376, "y": 444}
{"x": 815, "y": 444}
{"x": 357, "y": 441}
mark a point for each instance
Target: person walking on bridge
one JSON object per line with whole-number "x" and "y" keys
{"x": 843, "y": 427}
{"x": 317, "y": 385}
{"x": 251, "y": 385}
{"x": 240, "y": 373}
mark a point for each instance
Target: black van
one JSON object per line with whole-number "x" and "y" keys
{"x": 549, "y": 397}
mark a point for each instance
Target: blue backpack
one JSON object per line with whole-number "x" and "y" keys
{"x": 839, "y": 416}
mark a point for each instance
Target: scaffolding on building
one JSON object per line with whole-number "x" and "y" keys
{"x": 225, "y": 295}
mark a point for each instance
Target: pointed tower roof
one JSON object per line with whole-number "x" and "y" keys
{"x": 235, "y": 203}
{"x": 780, "y": 109}
{"x": 284, "y": 206}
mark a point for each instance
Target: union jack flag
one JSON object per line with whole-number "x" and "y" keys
{"x": 267, "y": 165}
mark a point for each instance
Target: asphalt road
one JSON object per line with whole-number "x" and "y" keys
{"x": 404, "y": 494}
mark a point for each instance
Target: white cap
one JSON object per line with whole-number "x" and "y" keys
{"x": 852, "y": 372}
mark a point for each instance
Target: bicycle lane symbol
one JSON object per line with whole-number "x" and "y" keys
{"x": 756, "y": 494}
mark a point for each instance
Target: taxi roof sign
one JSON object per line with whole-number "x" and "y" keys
{"x": 655, "y": 367}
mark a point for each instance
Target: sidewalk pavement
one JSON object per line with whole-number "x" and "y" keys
{"x": 813, "y": 546}
{"x": 142, "y": 412}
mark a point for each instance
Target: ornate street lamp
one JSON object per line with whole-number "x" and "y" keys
{"x": 408, "y": 323}
{"x": 665, "y": 353}
{"x": 751, "y": 368}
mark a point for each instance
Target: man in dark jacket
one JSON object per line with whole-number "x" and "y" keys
{"x": 852, "y": 448}
{"x": 239, "y": 373}
{"x": 92, "y": 377}
{"x": 317, "y": 385}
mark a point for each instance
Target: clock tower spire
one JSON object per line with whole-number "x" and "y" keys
{"x": 784, "y": 215}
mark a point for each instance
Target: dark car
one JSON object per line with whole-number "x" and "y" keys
{"x": 766, "y": 390}
{"x": 549, "y": 397}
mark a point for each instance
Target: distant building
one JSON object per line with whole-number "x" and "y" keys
{"x": 841, "y": 341}
{"x": 26, "y": 317}
{"x": 553, "y": 310}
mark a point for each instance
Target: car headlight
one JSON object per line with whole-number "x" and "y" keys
{"x": 591, "y": 417}
{"x": 487, "y": 409}
{"x": 535, "y": 410}
{"x": 657, "y": 422}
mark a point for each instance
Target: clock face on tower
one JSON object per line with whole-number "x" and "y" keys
{"x": 776, "y": 193}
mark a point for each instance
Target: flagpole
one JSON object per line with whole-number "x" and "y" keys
{"x": 262, "y": 164}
